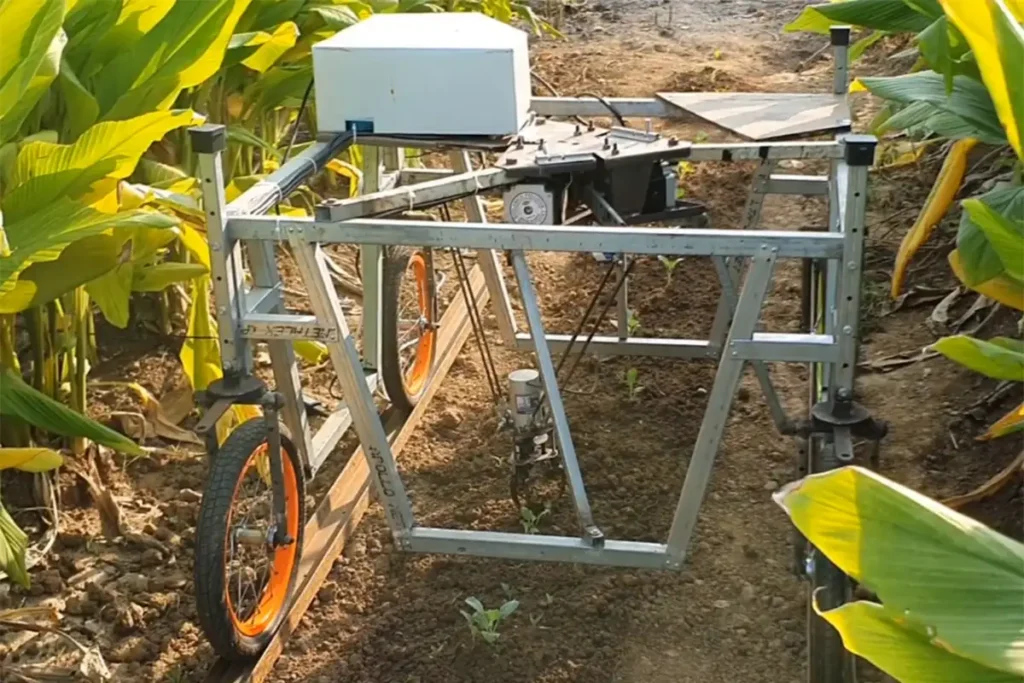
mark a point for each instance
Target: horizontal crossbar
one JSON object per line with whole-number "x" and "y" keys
{"x": 532, "y": 547}
{"x": 506, "y": 236}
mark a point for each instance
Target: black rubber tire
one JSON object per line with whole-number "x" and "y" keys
{"x": 211, "y": 533}
{"x": 396, "y": 262}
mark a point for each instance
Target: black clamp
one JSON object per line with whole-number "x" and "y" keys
{"x": 841, "y": 412}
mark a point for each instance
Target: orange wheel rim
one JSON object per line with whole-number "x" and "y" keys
{"x": 415, "y": 376}
{"x": 273, "y": 595}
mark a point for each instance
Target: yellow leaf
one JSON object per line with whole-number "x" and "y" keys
{"x": 1001, "y": 288}
{"x": 195, "y": 242}
{"x": 1013, "y": 421}
{"x": 200, "y": 354}
{"x": 311, "y": 351}
{"x": 282, "y": 40}
{"x": 985, "y": 25}
{"x": 346, "y": 170}
{"x": 857, "y": 86}
{"x": 45, "y": 171}
{"x": 30, "y": 459}
{"x": 935, "y": 207}
{"x": 102, "y": 196}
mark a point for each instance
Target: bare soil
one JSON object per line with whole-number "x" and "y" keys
{"x": 735, "y": 613}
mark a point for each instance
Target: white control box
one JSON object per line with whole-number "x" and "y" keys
{"x": 431, "y": 74}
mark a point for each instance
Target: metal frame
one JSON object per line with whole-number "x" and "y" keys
{"x": 745, "y": 260}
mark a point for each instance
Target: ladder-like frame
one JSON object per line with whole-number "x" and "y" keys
{"x": 745, "y": 258}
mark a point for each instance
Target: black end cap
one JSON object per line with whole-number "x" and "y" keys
{"x": 208, "y": 138}
{"x": 860, "y": 149}
{"x": 840, "y": 36}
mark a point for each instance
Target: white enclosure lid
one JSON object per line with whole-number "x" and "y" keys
{"x": 428, "y": 30}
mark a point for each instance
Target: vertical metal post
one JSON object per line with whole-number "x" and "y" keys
{"x": 347, "y": 364}
{"x": 840, "y": 37}
{"x": 727, "y": 380}
{"x": 547, "y": 372}
{"x": 623, "y": 299}
{"x": 487, "y": 258}
{"x": 372, "y": 264}
{"x": 287, "y": 382}
{"x": 210, "y": 141}
{"x": 758, "y": 189}
{"x": 860, "y": 155}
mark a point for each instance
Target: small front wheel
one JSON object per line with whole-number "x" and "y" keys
{"x": 243, "y": 579}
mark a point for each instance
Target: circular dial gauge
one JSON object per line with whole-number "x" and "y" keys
{"x": 528, "y": 207}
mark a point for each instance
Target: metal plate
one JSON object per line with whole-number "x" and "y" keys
{"x": 765, "y": 116}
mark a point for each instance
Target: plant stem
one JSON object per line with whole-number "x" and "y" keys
{"x": 81, "y": 357}
{"x": 13, "y": 432}
{"x": 37, "y": 343}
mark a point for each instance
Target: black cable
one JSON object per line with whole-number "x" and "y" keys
{"x": 473, "y": 312}
{"x": 608, "y": 105}
{"x": 600, "y": 319}
{"x": 586, "y": 316}
{"x": 295, "y": 133}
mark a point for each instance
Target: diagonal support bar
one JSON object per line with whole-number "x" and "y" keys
{"x": 729, "y": 274}
{"x": 554, "y": 396}
{"x": 727, "y": 380}
{"x": 348, "y": 365}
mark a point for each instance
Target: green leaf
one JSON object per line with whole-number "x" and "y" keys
{"x": 87, "y": 24}
{"x": 996, "y": 360}
{"x": 1005, "y": 235}
{"x": 263, "y": 14}
{"x": 909, "y": 656}
{"x": 13, "y": 545}
{"x": 81, "y": 262}
{"x": 184, "y": 49}
{"x": 107, "y": 150}
{"x": 858, "y": 49}
{"x": 112, "y": 292}
{"x": 44, "y": 235}
{"x": 158, "y": 277}
{"x": 478, "y": 607}
{"x": 18, "y": 399}
{"x": 980, "y": 260}
{"x": 968, "y": 101}
{"x": 881, "y": 15}
{"x": 242, "y": 135}
{"x": 29, "y": 57}
{"x": 997, "y": 39}
{"x": 279, "y": 87}
{"x": 81, "y": 108}
{"x": 934, "y": 567}
{"x": 335, "y": 17}
{"x": 508, "y": 608}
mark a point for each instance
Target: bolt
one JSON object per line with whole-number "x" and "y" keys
{"x": 511, "y": 162}
{"x": 673, "y": 141}
{"x": 214, "y": 246}
{"x": 647, "y": 126}
{"x": 852, "y": 265}
{"x": 222, "y": 309}
{"x": 541, "y": 145}
{"x": 590, "y": 126}
{"x": 615, "y": 149}
{"x": 847, "y": 330}
{"x": 541, "y": 121}
{"x": 577, "y": 131}
{"x": 607, "y": 143}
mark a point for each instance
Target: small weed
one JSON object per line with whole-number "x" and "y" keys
{"x": 632, "y": 388}
{"x": 535, "y": 619}
{"x": 531, "y": 520}
{"x": 485, "y": 622}
{"x": 701, "y": 136}
{"x": 176, "y": 675}
{"x": 670, "y": 265}
{"x": 548, "y": 600}
{"x": 632, "y": 324}
{"x": 507, "y": 590}
{"x": 718, "y": 54}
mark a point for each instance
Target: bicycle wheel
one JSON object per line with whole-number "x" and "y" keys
{"x": 243, "y": 583}
{"x": 408, "y": 325}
